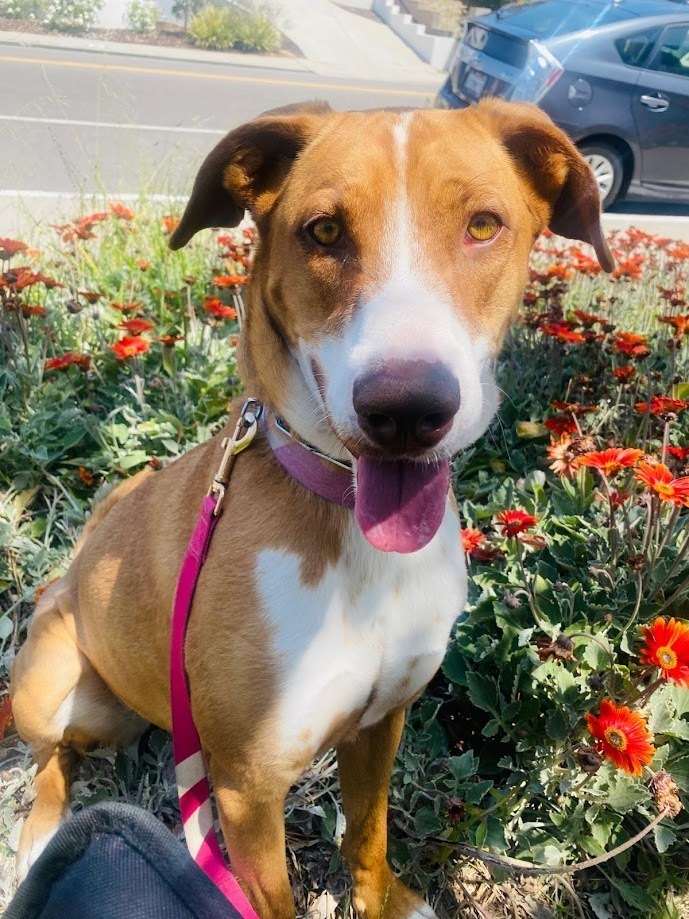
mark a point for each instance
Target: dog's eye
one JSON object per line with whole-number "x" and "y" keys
{"x": 483, "y": 227}
{"x": 326, "y": 231}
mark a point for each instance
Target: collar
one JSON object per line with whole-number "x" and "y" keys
{"x": 323, "y": 475}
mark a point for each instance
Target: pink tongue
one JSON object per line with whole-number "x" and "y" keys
{"x": 400, "y": 504}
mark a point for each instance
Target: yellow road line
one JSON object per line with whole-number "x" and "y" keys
{"x": 229, "y": 78}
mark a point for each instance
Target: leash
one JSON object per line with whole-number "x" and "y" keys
{"x": 192, "y": 779}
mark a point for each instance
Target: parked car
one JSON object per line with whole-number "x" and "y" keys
{"x": 613, "y": 75}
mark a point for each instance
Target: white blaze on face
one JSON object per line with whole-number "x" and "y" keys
{"x": 410, "y": 316}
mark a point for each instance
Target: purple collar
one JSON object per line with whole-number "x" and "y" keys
{"x": 324, "y": 476}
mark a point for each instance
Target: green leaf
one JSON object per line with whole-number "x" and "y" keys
{"x": 597, "y": 654}
{"x": 464, "y": 766}
{"x": 636, "y": 896}
{"x": 483, "y": 692}
{"x": 665, "y": 836}
{"x": 427, "y": 822}
{"x": 492, "y": 728}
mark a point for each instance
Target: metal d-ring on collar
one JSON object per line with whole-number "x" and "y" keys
{"x": 282, "y": 426}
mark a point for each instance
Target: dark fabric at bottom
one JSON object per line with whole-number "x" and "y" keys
{"x": 114, "y": 861}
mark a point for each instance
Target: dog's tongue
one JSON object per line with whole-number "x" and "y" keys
{"x": 399, "y": 504}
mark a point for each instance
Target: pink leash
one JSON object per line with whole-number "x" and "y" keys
{"x": 192, "y": 779}
{"x": 305, "y": 464}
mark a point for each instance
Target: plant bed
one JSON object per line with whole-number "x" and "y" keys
{"x": 557, "y": 732}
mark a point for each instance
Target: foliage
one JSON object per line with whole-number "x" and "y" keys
{"x": 142, "y": 16}
{"x": 72, "y": 15}
{"x": 184, "y": 9}
{"x": 565, "y": 566}
{"x": 248, "y": 29}
{"x": 23, "y": 9}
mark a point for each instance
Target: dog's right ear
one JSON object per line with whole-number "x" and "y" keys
{"x": 245, "y": 171}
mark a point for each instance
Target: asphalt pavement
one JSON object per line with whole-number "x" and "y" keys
{"x": 84, "y": 123}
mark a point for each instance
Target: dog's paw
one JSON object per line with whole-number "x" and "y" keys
{"x": 30, "y": 848}
{"x": 392, "y": 900}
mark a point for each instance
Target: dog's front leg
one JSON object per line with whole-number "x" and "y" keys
{"x": 253, "y": 826}
{"x": 365, "y": 766}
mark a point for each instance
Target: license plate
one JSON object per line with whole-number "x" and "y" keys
{"x": 475, "y": 83}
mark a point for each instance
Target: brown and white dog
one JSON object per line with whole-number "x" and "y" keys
{"x": 393, "y": 256}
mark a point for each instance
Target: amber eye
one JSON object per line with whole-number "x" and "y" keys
{"x": 326, "y": 231}
{"x": 483, "y": 227}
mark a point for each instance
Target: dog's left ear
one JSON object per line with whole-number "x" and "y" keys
{"x": 554, "y": 169}
{"x": 245, "y": 171}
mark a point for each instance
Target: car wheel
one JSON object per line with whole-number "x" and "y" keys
{"x": 608, "y": 168}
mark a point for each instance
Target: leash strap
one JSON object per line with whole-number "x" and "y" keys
{"x": 192, "y": 779}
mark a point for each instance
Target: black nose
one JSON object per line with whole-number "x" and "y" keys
{"x": 406, "y": 405}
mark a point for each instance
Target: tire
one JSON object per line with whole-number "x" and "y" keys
{"x": 608, "y": 168}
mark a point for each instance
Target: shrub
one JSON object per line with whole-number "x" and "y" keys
{"x": 72, "y": 15}
{"x": 23, "y": 9}
{"x": 184, "y": 9}
{"x": 142, "y": 16}
{"x": 245, "y": 29}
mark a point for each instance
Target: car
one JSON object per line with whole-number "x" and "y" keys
{"x": 613, "y": 75}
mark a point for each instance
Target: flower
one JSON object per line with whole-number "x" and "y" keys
{"x": 514, "y": 522}
{"x": 561, "y": 648}
{"x": 169, "y": 340}
{"x": 659, "y": 478}
{"x": 143, "y": 265}
{"x": 86, "y": 477}
{"x": 563, "y": 332}
{"x": 130, "y": 347}
{"x": 229, "y": 280}
{"x": 661, "y": 405}
{"x": 610, "y": 461}
{"x": 679, "y": 323}
{"x": 574, "y": 408}
{"x": 678, "y": 453}
{"x": 666, "y": 645}
{"x": 622, "y": 736}
{"x": 566, "y": 460}
{"x": 119, "y": 210}
{"x": 472, "y": 539}
{"x": 665, "y": 793}
{"x": 136, "y": 326}
{"x": 10, "y": 247}
{"x": 217, "y": 308}
{"x": 169, "y": 223}
{"x": 631, "y": 344}
{"x": 69, "y": 359}
{"x": 125, "y": 307}
{"x": 624, "y": 373}
{"x": 560, "y": 426}
{"x": 588, "y": 319}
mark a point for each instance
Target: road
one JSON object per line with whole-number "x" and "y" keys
{"x": 85, "y": 122}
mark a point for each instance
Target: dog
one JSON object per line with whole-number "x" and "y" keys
{"x": 393, "y": 255}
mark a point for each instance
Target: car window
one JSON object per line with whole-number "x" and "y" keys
{"x": 549, "y": 18}
{"x": 673, "y": 54}
{"x": 635, "y": 49}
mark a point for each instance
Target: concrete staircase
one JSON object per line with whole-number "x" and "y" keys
{"x": 432, "y": 45}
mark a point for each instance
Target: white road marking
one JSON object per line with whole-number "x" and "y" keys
{"x": 76, "y": 123}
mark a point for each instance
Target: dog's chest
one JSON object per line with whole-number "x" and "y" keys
{"x": 365, "y": 640}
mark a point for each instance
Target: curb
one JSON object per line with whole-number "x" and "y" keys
{"x": 161, "y": 52}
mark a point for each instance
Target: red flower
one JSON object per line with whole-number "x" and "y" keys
{"x": 563, "y": 332}
{"x": 169, "y": 223}
{"x": 560, "y": 426}
{"x": 86, "y": 477}
{"x": 661, "y": 405}
{"x": 623, "y": 737}
{"x": 218, "y": 309}
{"x": 678, "y": 453}
{"x": 82, "y": 361}
{"x": 679, "y": 323}
{"x": 91, "y": 296}
{"x": 169, "y": 340}
{"x": 472, "y": 539}
{"x": 609, "y": 462}
{"x": 631, "y": 344}
{"x": 137, "y": 326}
{"x": 10, "y": 247}
{"x": 143, "y": 265}
{"x": 666, "y": 646}
{"x": 119, "y": 210}
{"x": 624, "y": 373}
{"x": 514, "y": 522}
{"x": 229, "y": 280}
{"x": 130, "y": 347}
{"x": 125, "y": 307}
{"x": 588, "y": 319}
{"x": 574, "y": 408}
{"x": 659, "y": 478}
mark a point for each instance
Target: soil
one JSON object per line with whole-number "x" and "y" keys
{"x": 167, "y": 34}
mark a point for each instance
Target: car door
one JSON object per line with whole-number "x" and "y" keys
{"x": 660, "y": 104}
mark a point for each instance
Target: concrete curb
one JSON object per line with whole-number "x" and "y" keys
{"x": 161, "y": 52}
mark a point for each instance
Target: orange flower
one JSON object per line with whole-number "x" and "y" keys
{"x": 574, "y": 408}
{"x": 472, "y": 539}
{"x": 659, "y": 478}
{"x": 137, "y": 326}
{"x": 566, "y": 460}
{"x": 125, "y": 307}
{"x": 560, "y": 426}
{"x": 143, "y": 265}
{"x": 667, "y": 646}
{"x": 169, "y": 340}
{"x": 86, "y": 477}
{"x": 82, "y": 361}
{"x": 631, "y": 344}
{"x": 623, "y": 737}
{"x": 218, "y": 309}
{"x": 610, "y": 461}
{"x": 119, "y": 210}
{"x": 661, "y": 405}
{"x": 514, "y": 522}
{"x": 623, "y": 373}
{"x": 129, "y": 347}
{"x": 229, "y": 280}
{"x": 10, "y": 247}
{"x": 679, "y": 323}
{"x": 563, "y": 332}
{"x": 169, "y": 223}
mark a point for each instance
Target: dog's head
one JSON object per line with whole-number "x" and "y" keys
{"x": 393, "y": 256}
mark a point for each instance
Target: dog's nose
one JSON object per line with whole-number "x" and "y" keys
{"x": 406, "y": 404}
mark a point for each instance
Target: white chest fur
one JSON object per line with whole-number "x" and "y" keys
{"x": 366, "y": 638}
